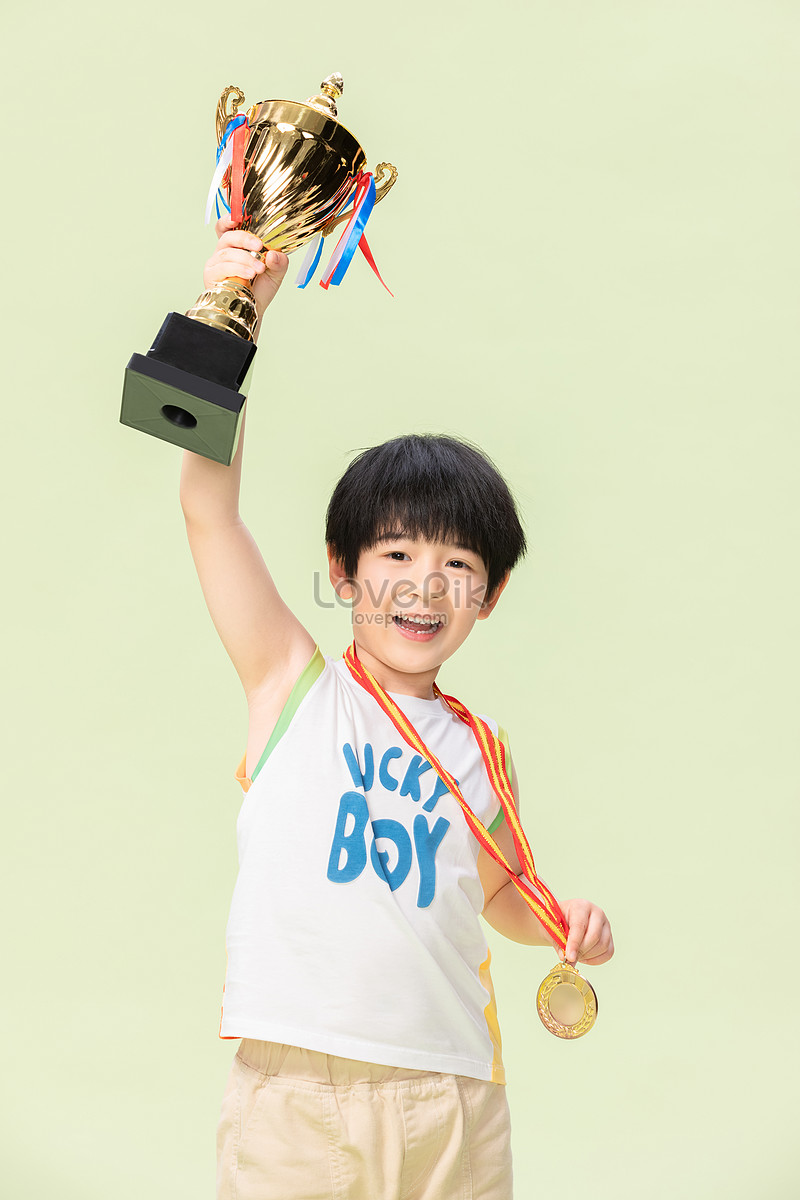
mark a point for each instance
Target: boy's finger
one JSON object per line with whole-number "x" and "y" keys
{"x": 228, "y": 255}
{"x": 241, "y": 240}
{"x": 600, "y": 954}
{"x": 577, "y": 930}
{"x": 223, "y": 271}
{"x": 277, "y": 263}
{"x": 593, "y": 935}
{"x": 223, "y": 223}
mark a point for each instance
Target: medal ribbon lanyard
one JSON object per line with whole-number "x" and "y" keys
{"x": 493, "y": 754}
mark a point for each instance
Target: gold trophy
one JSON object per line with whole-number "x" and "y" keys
{"x": 299, "y": 168}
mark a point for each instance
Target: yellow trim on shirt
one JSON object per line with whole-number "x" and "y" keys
{"x": 492, "y": 1024}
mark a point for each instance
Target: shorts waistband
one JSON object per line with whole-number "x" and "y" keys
{"x": 295, "y": 1062}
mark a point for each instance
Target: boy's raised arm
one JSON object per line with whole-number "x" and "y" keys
{"x": 266, "y": 643}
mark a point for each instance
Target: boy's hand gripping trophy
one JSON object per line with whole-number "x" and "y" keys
{"x": 288, "y": 171}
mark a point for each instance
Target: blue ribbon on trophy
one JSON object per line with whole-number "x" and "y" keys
{"x": 351, "y": 240}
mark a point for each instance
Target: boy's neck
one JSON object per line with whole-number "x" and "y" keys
{"x": 402, "y": 683}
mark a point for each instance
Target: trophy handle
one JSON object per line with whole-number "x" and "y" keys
{"x": 380, "y": 171}
{"x": 228, "y": 105}
{"x": 380, "y": 192}
{"x": 223, "y": 115}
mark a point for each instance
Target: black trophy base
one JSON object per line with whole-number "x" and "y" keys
{"x": 185, "y": 390}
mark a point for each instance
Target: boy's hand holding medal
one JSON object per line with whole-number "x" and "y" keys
{"x": 566, "y": 1002}
{"x": 590, "y": 939}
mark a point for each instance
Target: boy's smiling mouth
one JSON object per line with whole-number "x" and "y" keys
{"x": 418, "y": 626}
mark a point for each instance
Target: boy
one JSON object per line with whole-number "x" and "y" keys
{"x": 358, "y": 972}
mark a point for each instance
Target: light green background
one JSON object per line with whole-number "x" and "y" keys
{"x": 594, "y": 252}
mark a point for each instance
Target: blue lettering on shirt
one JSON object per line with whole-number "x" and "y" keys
{"x": 350, "y": 844}
{"x": 418, "y": 766}
{"x": 360, "y": 778}
{"x": 389, "y": 781}
{"x": 427, "y": 842}
{"x": 394, "y": 832}
{"x": 440, "y": 789}
{"x": 390, "y": 848}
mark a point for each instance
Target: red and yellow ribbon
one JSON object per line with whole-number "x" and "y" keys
{"x": 494, "y": 757}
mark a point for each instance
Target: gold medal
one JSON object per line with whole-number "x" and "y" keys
{"x": 566, "y": 1002}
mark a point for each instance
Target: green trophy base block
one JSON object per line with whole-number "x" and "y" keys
{"x": 185, "y": 390}
{"x": 163, "y": 401}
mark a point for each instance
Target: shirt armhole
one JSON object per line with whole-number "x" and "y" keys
{"x": 240, "y": 776}
{"x": 503, "y": 736}
{"x": 310, "y": 674}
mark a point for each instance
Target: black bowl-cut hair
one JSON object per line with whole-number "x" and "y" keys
{"x": 427, "y": 486}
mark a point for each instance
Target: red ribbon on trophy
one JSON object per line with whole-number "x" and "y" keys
{"x": 353, "y": 238}
{"x": 240, "y": 136}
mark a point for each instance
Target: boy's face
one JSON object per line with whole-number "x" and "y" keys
{"x": 414, "y": 601}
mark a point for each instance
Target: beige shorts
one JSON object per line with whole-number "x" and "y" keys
{"x": 299, "y": 1125}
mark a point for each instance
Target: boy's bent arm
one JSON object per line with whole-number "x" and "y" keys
{"x": 266, "y": 643}
{"x": 505, "y": 910}
{"x": 508, "y": 913}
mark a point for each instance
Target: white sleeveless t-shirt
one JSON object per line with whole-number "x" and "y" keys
{"x": 354, "y": 926}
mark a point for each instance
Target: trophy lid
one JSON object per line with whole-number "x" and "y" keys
{"x": 322, "y": 105}
{"x": 325, "y": 102}
{"x": 316, "y": 117}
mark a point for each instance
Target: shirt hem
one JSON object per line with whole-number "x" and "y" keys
{"x": 370, "y": 1052}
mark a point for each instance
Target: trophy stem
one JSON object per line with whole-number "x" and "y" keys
{"x": 228, "y": 305}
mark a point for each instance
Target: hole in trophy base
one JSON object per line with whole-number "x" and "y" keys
{"x": 178, "y": 416}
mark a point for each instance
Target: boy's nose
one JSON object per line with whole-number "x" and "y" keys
{"x": 428, "y": 588}
{"x": 434, "y": 586}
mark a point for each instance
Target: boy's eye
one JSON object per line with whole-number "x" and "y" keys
{"x": 397, "y": 555}
{"x": 456, "y": 562}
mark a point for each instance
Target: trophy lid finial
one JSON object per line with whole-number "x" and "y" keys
{"x": 325, "y": 102}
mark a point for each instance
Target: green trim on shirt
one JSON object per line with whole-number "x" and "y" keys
{"x": 501, "y": 816}
{"x": 310, "y": 674}
{"x": 503, "y": 736}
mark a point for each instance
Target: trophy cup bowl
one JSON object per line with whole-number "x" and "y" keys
{"x": 300, "y": 166}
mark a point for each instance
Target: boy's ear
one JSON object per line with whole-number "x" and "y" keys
{"x": 337, "y": 576}
{"x": 489, "y": 603}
